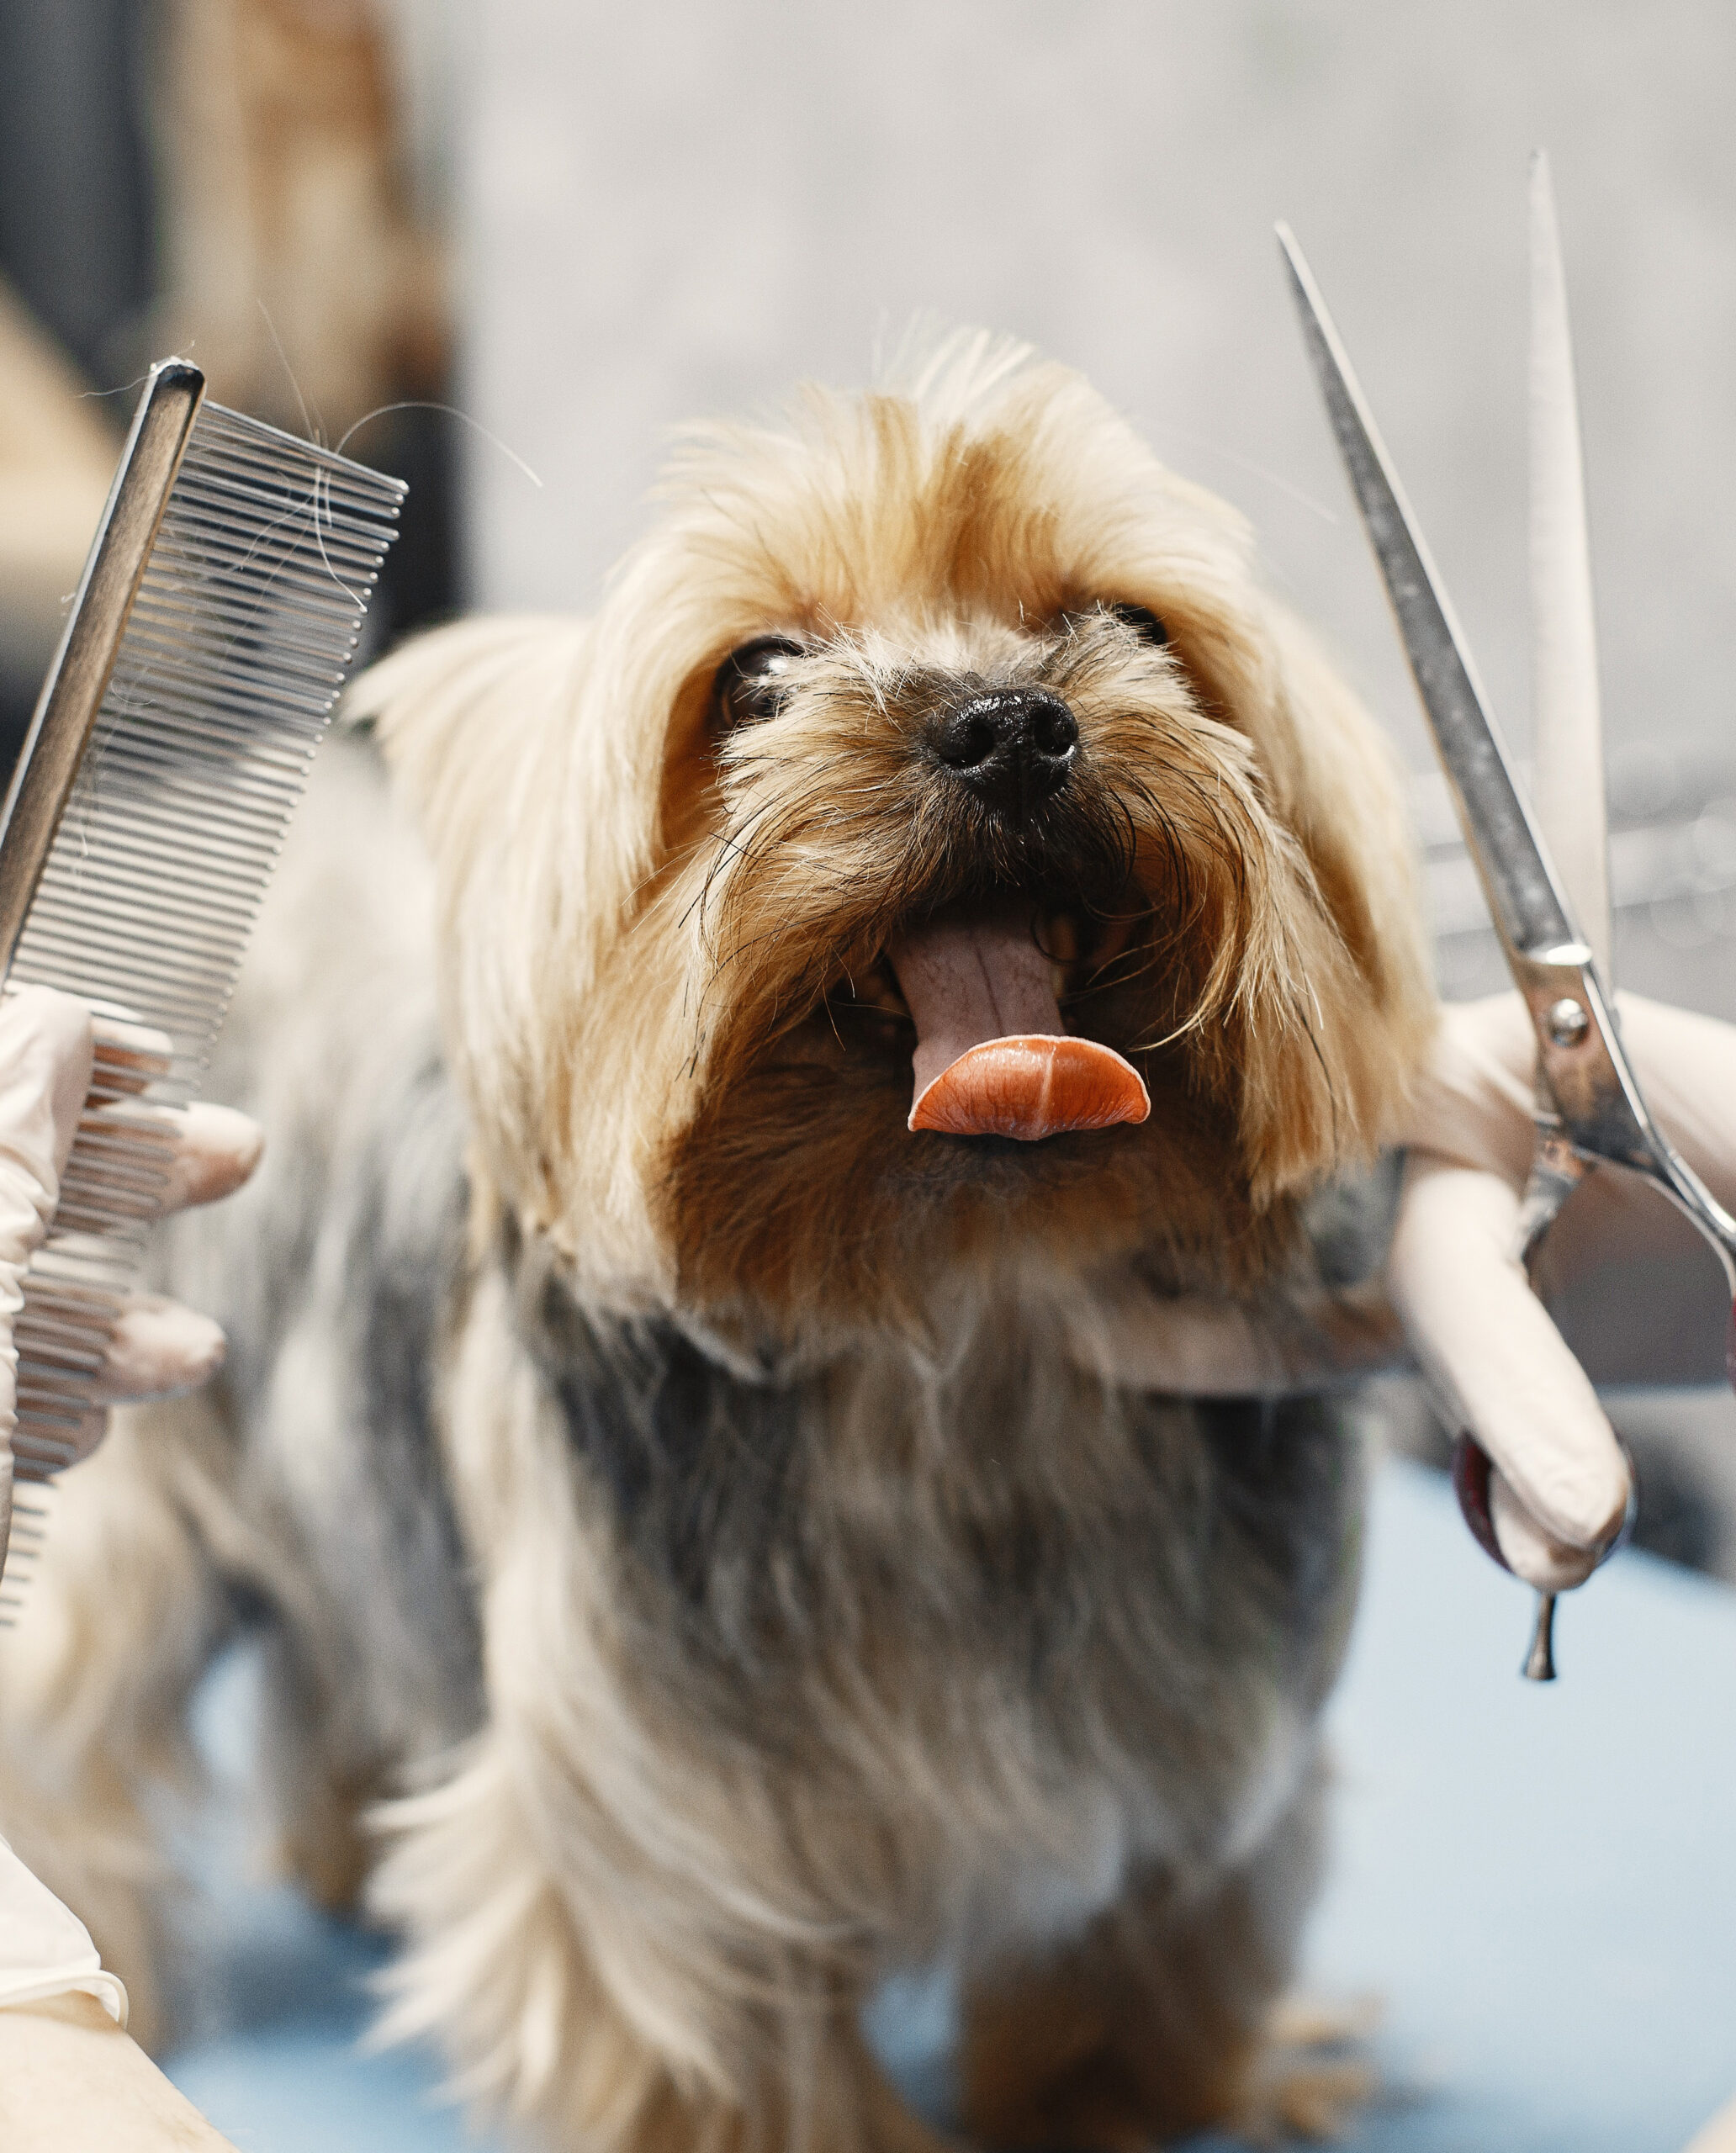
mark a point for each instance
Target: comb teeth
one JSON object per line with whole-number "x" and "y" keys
{"x": 237, "y": 644}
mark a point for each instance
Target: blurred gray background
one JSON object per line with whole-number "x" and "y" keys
{"x": 669, "y": 213}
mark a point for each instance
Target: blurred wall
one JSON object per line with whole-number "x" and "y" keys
{"x": 73, "y": 161}
{"x": 679, "y": 211}
{"x": 259, "y": 184}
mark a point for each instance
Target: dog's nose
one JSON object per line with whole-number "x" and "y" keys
{"x": 1013, "y": 746}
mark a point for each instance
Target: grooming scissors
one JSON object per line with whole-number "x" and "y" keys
{"x": 1552, "y": 920}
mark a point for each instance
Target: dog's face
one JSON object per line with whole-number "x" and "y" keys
{"x": 959, "y": 670}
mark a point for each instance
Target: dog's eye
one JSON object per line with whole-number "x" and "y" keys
{"x": 1144, "y": 622}
{"x": 751, "y": 680}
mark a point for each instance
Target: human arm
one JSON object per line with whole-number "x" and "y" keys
{"x": 1499, "y": 1367}
{"x": 70, "y": 2077}
{"x": 72, "y": 2081}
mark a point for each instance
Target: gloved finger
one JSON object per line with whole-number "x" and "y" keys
{"x": 216, "y": 1150}
{"x": 46, "y": 1054}
{"x": 1501, "y": 1368}
{"x": 158, "y": 1349}
{"x": 1528, "y": 1549}
{"x": 207, "y": 1151}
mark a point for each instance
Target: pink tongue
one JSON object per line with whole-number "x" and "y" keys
{"x": 993, "y": 1057}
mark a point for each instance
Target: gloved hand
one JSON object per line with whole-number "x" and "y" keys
{"x": 1456, "y": 1302}
{"x": 1560, "y": 1486}
{"x": 67, "y": 2076}
{"x": 47, "y": 1050}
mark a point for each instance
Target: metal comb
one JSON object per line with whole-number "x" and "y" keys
{"x": 217, "y": 616}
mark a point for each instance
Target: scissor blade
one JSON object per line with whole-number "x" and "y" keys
{"x": 1568, "y": 787}
{"x": 1532, "y": 914}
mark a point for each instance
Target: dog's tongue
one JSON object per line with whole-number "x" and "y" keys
{"x": 993, "y": 1057}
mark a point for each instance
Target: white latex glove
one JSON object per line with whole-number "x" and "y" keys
{"x": 48, "y": 1046}
{"x": 1500, "y": 1367}
{"x": 70, "y": 2080}
{"x": 45, "y": 1949}
{"x": 1455, "y": 1303}
{"x": 47, "y": 1050}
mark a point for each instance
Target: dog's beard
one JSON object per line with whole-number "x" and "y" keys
{"x": 1155, "y": 883}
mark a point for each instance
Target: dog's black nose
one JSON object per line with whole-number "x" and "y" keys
{"x": 1013, "y": 746}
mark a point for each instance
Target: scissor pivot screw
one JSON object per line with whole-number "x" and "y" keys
{"x": 1568, "y": 1022}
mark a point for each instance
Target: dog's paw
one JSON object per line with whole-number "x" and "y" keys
{"x": 1309, "y": 2081}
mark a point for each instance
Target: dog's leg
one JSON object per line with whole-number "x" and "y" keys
{"x": 322, "y": 1791}
{"x": 831, "y": 2098}
{"x": 546, "y": 2023}
{"x": 118, "y": 1623}
{"x": 1157, "y": 2021}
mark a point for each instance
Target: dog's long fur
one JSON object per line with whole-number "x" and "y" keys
{"x": 709, "y": 1510}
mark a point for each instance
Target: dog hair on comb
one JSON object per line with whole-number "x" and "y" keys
{"x": 217, "y": 616}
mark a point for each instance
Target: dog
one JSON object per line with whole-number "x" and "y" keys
{"x": 732, "y": 1070}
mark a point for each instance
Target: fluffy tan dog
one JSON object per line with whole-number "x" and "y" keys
{"x": 706, "y": 1501}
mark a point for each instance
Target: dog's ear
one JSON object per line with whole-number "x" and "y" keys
{"x": 451, "y": 711}
{"x": 533, "y": 774}
{"x": 1343, "y": 794}
{"x": 1328, "y": 1051}
{"x": 481, "y": 725}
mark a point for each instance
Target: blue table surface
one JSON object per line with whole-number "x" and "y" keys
{"x": 1538, "y": 1884}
